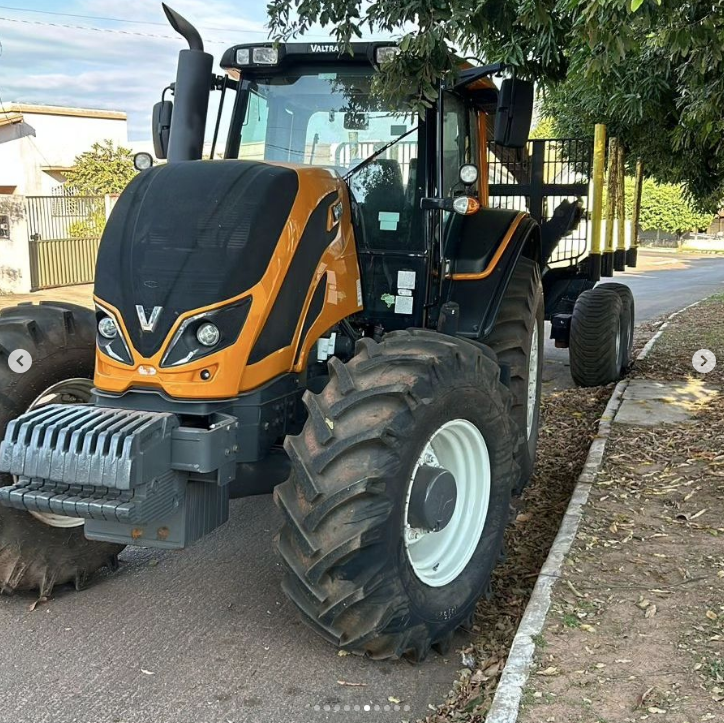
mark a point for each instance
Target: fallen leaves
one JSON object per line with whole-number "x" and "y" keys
{"x": 551, "y": 670}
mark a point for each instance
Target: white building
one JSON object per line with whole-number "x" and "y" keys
{"x": 39, "y": 142}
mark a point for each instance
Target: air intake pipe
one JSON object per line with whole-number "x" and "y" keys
{"x": 191, "y": 93}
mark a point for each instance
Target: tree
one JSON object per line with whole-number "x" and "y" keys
{"x": 653, "y": 70}
{"x": 664, "y": 207}
{"x": 103, "y": 169}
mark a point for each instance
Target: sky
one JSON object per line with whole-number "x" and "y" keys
{"x": 49, "y": 55}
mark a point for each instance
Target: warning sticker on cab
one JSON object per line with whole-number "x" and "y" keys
{"x": 406, "y": 279}
{"x": 403, "y": 305}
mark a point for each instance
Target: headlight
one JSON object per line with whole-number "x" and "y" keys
{"x": 107, "y": 328}
{"x": 208, "y": 334}
{"x": 386, "y": 53}
{"x": 110, "y": 337}
{"x": 469, "y": 174}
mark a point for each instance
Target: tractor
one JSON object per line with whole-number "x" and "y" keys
{"x": 332, "y": 313}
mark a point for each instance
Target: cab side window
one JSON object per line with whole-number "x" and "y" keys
{"x": 459, "y": 140}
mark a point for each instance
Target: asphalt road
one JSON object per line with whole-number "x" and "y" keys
{"x": 205, "y": 635}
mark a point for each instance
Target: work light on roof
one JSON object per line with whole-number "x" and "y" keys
{"x": 265, "y": 56}
{"x": 385, "y": 54}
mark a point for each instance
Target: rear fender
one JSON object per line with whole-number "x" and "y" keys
{"x": 480, "y": 298}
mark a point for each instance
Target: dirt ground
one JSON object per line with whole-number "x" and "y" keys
{"x": 81, "y": 294}
{"x": 636, "y": 630}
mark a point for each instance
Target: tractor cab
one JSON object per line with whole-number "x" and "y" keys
{"x": 411, "y": 178}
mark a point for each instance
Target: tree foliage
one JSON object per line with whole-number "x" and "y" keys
{"x": 653, "y": 70}
{"x": 664, "y": 207}
{"x": 103, "y": 169}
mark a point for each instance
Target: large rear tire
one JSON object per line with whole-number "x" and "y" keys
{"x": 60, "y": 338}
{"x": 596, "y": 338}
{"x": 518, "y": 340}
{"x": 348, "y": 544}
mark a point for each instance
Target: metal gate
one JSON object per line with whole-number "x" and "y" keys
{"x": 64, "y": 233}
{"x": 538, "y": 179}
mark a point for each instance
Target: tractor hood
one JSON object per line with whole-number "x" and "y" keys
{"x": 181, "y": 235}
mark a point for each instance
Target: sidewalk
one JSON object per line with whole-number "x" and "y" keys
{"x": 636, "y": 627}
{"x": 82, "y": 294}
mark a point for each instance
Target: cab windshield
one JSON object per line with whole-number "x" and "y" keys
{"x": 312, "y": 116}
{"x": 322, "y": 118}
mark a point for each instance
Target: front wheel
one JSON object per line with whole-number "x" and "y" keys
{"x": 40, "y": 550}
{"x": 399, "y": 494}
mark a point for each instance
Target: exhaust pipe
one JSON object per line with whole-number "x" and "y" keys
{"x": 191, "y": 94}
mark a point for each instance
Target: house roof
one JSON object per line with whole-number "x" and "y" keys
{"x": 10, "y": 118}
{"x": 19, "y": 108}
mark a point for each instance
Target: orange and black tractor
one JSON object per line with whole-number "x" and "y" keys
{"x": 331, "y": 312}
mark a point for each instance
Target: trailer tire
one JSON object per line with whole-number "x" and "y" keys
{"x": 520, "y": 322}
{"x": 60, "y": 338}
{"x": 628, "y": 320}
{"x": 596, "y": 338}
{"x": 345, "y": 543}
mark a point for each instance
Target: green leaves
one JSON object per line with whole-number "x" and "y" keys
{"x": 653, "y": 70}
{"x": 104, "y": 169}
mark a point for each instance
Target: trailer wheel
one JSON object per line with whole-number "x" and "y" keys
{"x": 628, "y": 320}
{"x": 412, "y": 435}
{"x": 38, "y": 551}
{"x": 596, "y": 338}
{"x": 518, "y": 340}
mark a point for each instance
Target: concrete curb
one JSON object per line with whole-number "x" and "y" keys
{"x": 506, "y": 703}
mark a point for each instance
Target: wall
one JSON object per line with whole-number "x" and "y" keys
{"x": 14, "y": 252}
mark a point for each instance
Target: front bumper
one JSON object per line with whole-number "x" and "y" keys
{"x": 134, "y": 476}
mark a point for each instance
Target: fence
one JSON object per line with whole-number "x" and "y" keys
{"x": 64, "y": 233}
{"x": 538, "y": 179}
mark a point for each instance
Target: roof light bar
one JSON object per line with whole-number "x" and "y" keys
{"x": 257, "y": 56}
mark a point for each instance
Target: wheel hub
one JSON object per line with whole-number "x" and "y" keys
{"x": 432, "y": 499}
{"x": 447, "y": 503}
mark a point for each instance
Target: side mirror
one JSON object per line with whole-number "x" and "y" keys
{"x": 515, "y": 113}
{"x": 161, "y": 127}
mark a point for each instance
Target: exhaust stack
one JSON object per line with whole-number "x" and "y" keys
{"x": 191, "y": 94}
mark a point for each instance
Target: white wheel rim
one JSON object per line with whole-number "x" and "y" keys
{"x": 532, "y": 380}
{"x": 438, "y": 558}
{"x": 67, "y": 391}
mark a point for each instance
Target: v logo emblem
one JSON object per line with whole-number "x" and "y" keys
{"x": 148, "y": 323}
